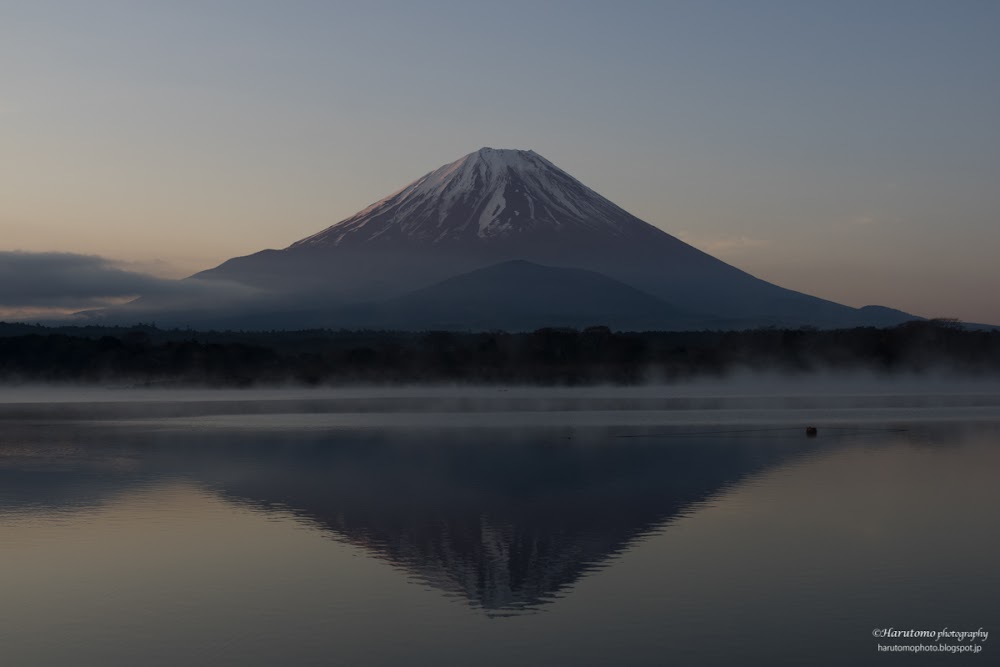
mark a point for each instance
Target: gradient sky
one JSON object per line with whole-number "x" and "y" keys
{"x": 846, "y": 149}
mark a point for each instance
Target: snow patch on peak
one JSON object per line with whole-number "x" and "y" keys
{"x": 470, "y": 198}
{"x": 491, "y": 212}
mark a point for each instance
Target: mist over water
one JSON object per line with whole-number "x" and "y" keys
{"x": 747, "y": 398}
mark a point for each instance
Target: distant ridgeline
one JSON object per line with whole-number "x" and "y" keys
{"x": 147, "y": 355}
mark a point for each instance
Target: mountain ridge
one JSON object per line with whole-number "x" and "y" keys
{"x": 518, "y": 295}
{"x": 498, "y": 205}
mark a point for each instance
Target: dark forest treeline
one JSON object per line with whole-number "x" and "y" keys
{"x": 145, "y": 354}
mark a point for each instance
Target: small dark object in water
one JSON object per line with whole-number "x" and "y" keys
{"x": 811, "y": 431}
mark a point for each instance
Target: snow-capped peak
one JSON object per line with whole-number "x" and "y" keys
{"x": 491, "y": 193}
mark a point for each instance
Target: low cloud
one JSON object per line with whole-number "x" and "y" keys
{"x": 46, "y": 281}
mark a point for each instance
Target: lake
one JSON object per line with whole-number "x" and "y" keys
{"x": 455, "y": 526}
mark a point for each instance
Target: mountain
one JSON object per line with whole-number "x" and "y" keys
{"x": 490, "y": 206}
{"x": 522, "y": 296}
{"x": 498, "y": 205}
{"x": 485, "y": 197}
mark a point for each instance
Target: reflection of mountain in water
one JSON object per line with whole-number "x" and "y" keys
{"x": 507, "y": 521}
{"x": 507, "y": 524}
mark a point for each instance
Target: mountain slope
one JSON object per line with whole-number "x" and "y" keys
{"x": 498, "y": 205}
{"x": 522, "y": 296}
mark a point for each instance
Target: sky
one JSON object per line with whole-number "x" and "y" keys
{"x": 850, "y": 150}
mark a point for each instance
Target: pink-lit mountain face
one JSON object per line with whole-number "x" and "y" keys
{"x": 499, "y": 205}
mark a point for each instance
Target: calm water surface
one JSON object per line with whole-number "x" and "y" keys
{"x": 607, "y": 529}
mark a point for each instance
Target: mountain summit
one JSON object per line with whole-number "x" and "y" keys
{"x": 383, "y": 265}
{"x": 492, "y": 193}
